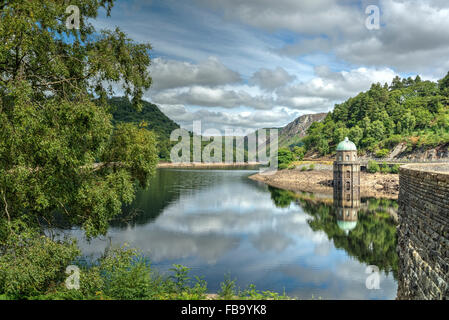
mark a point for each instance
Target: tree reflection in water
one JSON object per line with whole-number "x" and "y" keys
{"x": 372, "y": 240}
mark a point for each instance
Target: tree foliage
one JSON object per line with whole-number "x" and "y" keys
{"x": 61, "y": 159}
{"x": 373, "y": 119}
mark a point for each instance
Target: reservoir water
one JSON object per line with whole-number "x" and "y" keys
{"x": 219, "y": 222}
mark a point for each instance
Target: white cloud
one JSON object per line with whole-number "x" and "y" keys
{"x": 169, "y": 74}
{"x": 271, "y": 79}
{"x": 308, "y": 17}
{"x": 247, "y": 121}
{"x": 213, "y": 97}
{"x": 329, "y": 87}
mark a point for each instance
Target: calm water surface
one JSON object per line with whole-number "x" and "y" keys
{"x": 219, "y": 222}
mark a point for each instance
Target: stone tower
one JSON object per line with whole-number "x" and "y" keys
{"x": 347, "y": 175}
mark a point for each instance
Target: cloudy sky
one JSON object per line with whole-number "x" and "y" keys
{"x": 247, "y": 64}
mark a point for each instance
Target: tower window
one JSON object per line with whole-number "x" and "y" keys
{"x": 347, "y": 158}
{"x": 348, "y": 174}
{"x": 348, "y": 186}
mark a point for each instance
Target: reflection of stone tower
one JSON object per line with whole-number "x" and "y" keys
{"x": 346, "y": 214}
{"x": 346, "y": 185}
{"x": 347, "y": 174}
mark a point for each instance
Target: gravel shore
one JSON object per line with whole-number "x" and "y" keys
{"x": 318, "y": 181}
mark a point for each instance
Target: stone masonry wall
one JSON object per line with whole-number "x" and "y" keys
{"x": 423, "y": 232}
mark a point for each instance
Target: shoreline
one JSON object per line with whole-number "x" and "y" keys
{"x": 205, "y": 165}
{"x": 375, "y": 185}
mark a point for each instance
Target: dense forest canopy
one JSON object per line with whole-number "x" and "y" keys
{"x": 409, "y": 110}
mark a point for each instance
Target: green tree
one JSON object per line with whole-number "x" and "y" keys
{"x": 377, "y": 130}
{"x": 373, "y": 166}
{"x": 355, "y": 134}
{"x": 340, "y": 134}
{"x": 444, "y": 85}
{"x": 299, "y": 152}
{"x": 285, "y": 157}
{"x": 58, "y": 149}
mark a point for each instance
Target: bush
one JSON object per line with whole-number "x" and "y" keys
{"x": 311, "y": 167}
{"x": 126, "y": 275}
{"x": 303, "y": 168}
{"x": 385, "y": 168}
{"x": 373, "y": 166}
{"x": 395, "y": 169}
{"x": 299, "y": 152}
{"x": 228, "y": 288}
{"x": 31, "y": 263}
{"x": 382, "y": 153}
{"x": 285, "y": 156}
{"x": 283, "y": 166}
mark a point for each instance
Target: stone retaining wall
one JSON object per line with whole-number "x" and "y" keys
{"x": 423, "y": 232}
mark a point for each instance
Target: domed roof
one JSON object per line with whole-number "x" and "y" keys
{"x": 346, "y": 145}
{"x": 346, "y": 225}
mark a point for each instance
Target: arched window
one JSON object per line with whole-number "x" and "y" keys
{"x": 348, "y": 174}
{"x": 348, "y": 186}
{"x": 347, "y": 157}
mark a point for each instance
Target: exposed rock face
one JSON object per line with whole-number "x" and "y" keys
{"x": 399, "y": 152}
{"x": 438, "y": 153}
{"x": 298, "y": 127}
{"x": 295, "y": 130}
{"x": 423, "y": 232}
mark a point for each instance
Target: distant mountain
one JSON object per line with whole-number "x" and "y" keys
{"x": 291, "y": 134}
{"x": 158, "y": 122}
{"x": 297, "y": 129}
{"x": 123, "y": 111}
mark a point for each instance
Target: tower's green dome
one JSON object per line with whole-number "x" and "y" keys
{"x": 346, "y": 145}
{"x": 346, "y": 225}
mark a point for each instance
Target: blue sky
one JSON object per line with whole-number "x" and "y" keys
{"x": 261, "y": 63}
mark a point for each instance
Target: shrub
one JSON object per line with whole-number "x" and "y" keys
{"x": 285, "y": 156}
{"x": 228, "y": 288}
{"x": 395, "y": 169}
{"x": 31, "y": 263}
{"x": 126, "y": 275}
{"x": 311, "y": 167}
{"x": 299, "y": 152}
{"x": 283, "y": 166}
{"x": 373, "y": 166}
{"x": 385, "y": 168}
{"x": 382, "y": 153}
{"x": 303, "y": 168}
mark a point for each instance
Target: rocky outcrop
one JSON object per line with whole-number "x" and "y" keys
{"x": 421, "y": 154}
{"x": 298, "y": 128}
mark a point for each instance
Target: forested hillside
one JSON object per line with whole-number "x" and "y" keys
{"x": 409, "y": 110}
{"x": 123, "y": 111}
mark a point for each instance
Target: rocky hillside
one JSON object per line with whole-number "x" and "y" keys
{"x": 297, "y": 129}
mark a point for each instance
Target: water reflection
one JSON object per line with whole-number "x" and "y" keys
{"x": 364, "y": 228}
{"x": 220, "y": 221}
